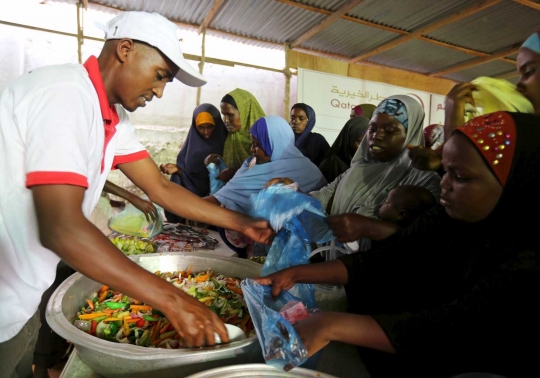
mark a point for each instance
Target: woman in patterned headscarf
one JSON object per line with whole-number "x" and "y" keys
{"x": 380, "y": 164}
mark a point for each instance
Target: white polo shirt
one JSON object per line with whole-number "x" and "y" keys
{"x": 56, "y": 127}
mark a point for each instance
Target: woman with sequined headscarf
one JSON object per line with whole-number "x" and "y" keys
{"x": 240, "y": 110}
{"x": 380, "y": 164}
{"x": 457, "y": 291}
{"x": 312, "y": 145}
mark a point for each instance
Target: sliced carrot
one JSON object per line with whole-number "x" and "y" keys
{"x": 155, "y": 331}
{"x": 102, "y": 296}
{"x": 104, "y": 288}
{"x": 235, "y": 289}
{"x": 90, "y": 303}
{"x": 189, "y": 270}
{"x": 165, "y": 328}
{"x": 202, "y": 278}
{"x": 156, "y": 343}
{"x": 140, "y": 308}
{"x": 93, "y": 315}
{"x": 128, "y": 320}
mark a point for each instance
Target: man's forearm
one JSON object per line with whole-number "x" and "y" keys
{"x": 182, "y": 202}
{"x": 78, "y": 242}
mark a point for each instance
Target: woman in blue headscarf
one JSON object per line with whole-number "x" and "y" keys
{"x": 311, "y": 144}
{"x": 206, "y": 136}
{"x": 274, "y": 155}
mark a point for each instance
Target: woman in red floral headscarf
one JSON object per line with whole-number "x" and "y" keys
{"x": 457, "y": 291}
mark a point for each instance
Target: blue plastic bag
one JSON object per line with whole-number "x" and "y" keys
{"x": 300, "y": 221}
{"x": 280, "y": 343}
{"x": 214, "y": 170}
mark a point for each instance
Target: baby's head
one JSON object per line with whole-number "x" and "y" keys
{"x": 405, "y": 203}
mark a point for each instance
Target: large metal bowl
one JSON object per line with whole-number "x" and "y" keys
{"x": 121, "y": 360}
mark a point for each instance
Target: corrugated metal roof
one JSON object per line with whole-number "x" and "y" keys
{"x": 492, "y": 29}
{"x": 329, "y": 5}
{"x": 493, "y": 68}
{"x": 407, "y": 15}
{"x": 265, "y": 19}
{"x": 348, "y": 38}
{"x": 189, "y": 11}
{"x": 419, "y": 56}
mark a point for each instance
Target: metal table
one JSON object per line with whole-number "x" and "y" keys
{"x": 75, "y": 368}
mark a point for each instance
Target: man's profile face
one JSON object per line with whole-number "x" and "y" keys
{"x": 145, "y": 72}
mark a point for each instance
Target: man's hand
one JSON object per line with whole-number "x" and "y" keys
{"x": 258, "y": 230}
{"x": 454, "y": 107}
{"x": 146, "y": 207}
{"x": 212, "y": 158}
{"x": 424, "y": 159}
{"x": 226, "y": 175}
{"x": 169, "y": 169}
{"x": 65, "y": 230}
{"x": 194, "y": 321}
{"x": 281, "y": 280}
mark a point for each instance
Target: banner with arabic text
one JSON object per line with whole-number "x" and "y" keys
{"x": 333, "y": 96}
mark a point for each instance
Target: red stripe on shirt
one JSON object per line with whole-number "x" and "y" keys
{"x": 129, "y": 158}
{"x": 55, "y": 178}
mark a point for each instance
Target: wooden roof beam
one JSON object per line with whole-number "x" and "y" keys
{"x": 478, "y": 6}
{"x": 529, "y": 3}
{"x": 475, "y": 62}
{"x": 210, "y": 15}
{"x": 507, "y": 75}
{"x": 350, "y": 4}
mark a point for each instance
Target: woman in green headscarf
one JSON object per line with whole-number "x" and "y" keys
{"x": 240, "y": 110}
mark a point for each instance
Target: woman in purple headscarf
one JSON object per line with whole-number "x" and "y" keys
{"x": 206, "y": 136}
{"x": 312, "y": 145}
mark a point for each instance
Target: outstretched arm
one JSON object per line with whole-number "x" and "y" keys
{"x": 64, "y": 229}
{"x": 146, "y": 207}
{"x": 178, "y": 200}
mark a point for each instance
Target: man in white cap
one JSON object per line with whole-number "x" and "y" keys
{"x": 62, "y": 129}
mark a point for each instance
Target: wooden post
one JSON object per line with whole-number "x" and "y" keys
{"x": 287, "y": 73}
{"x": 201, "y": 64}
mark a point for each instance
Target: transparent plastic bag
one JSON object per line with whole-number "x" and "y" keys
{"x": 281, "y": 345}
{"x": 132, "y": 221}
{"x": 214, "y": 170}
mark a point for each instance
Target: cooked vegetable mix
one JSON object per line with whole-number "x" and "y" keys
{"x": 113, "y": 316}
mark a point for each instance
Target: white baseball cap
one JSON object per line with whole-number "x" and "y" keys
{"x": 158, "y": 32}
